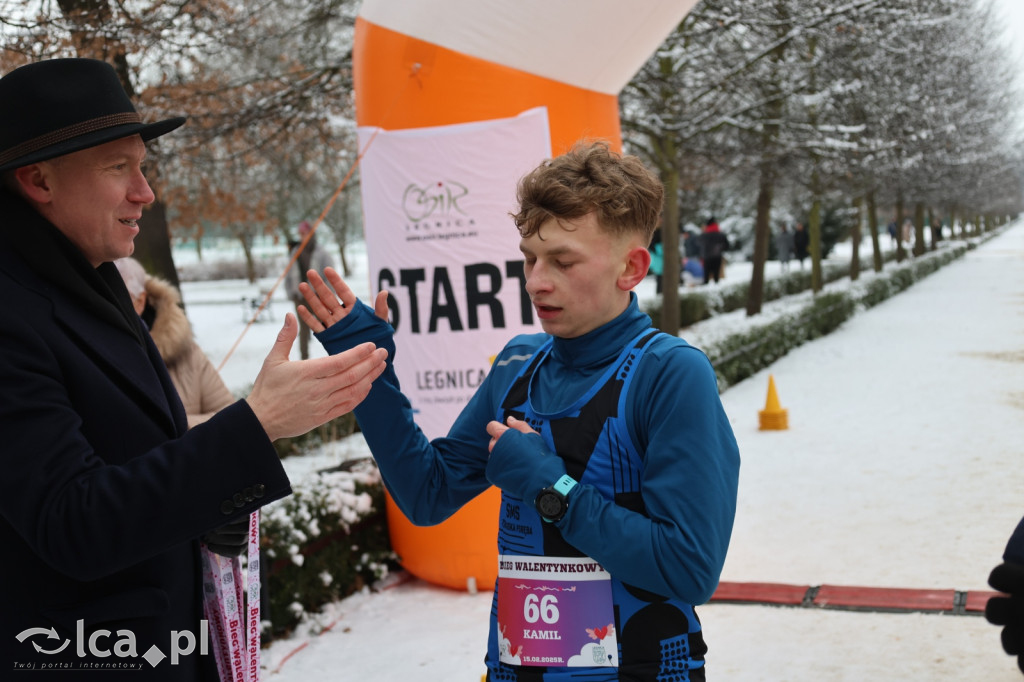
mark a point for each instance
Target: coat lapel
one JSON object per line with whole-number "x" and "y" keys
{"x": 136, "y": 368}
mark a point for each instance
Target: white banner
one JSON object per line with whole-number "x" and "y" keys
{"x": 440, "y": 240}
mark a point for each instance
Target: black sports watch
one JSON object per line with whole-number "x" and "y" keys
{"x": 551, "y": 503}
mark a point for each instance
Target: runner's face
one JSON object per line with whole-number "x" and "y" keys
{"x": 573, "y": 270}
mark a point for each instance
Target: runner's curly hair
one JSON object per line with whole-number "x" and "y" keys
{"x": 590, "y": 178}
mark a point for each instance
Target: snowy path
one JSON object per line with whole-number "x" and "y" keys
{"x": 901, "y": 468}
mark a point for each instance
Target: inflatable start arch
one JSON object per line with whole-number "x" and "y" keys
{"x": 423, "y": 64}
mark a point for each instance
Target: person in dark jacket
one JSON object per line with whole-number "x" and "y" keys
{"x": 1007, "y": 610}
{"x": 784, "y": 247}
{"x": 801, "y": 240}
{"x": 105, "y": 493}
{"x": 713, "y": 245}
{"x": 691, "y": 245}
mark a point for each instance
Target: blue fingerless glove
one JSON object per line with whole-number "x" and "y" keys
{"x": 363, "y": 324}
{"x": 521, "y": 464}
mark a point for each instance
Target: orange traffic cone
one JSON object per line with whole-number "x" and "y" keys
{"x": 773, "y": 417}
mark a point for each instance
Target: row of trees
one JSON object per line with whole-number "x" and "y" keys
{"x": 777, "y": 108}
{"x": 785, "y": 107}
{"x": 268, "y": 91}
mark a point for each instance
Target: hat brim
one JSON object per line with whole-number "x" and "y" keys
{"x": 147, "y": 131}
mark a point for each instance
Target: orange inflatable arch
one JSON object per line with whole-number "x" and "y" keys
{"x": 444, "y": 62}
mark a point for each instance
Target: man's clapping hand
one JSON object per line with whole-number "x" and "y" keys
{"x": 293, "y": 397}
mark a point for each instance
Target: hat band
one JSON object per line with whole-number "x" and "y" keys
{"x": 68, "y": 133}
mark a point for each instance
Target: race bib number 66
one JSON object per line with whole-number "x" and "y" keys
{"x": 555, "y": 611}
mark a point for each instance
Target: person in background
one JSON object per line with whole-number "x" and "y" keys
{"x": 311, "y": 256}
{"x": 891, "y": 229}
{"x": 784, "y": 244}
{"x": 606, "y": 437}
{"x": 909, "y": 235}
{"x": 691, "y": 272}
{"x": 105, "y": 492}
{"x": 936, "y": 228}
{"x": 1007, "y": 610}
{"x": 691, "y": 247}
{"x": 200, "y": 387}
{"x": 801, "y": 242}
{"x": 713, "y": 245}
{"x": 657, "y": 249}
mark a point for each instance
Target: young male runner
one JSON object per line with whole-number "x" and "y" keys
{"x": 617, "y": 464}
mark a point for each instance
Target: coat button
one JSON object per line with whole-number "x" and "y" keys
{"x": 258, "y": 490}
{"x": 227, "y": 507}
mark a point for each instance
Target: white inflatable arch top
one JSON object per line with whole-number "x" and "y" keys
{"x": 596, "y": 45}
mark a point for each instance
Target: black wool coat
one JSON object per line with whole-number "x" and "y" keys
{"x": 103, "y": 492}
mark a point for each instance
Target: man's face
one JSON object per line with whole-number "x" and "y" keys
{"x": 573, "y": 275}
{"x": 95, "y": 197}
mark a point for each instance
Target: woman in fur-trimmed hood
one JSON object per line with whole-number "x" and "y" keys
{"x": 202, "y": 391}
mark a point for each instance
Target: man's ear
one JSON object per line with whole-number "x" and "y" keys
{"x": 638, "y": 261}
{"x": 34, "y": 183}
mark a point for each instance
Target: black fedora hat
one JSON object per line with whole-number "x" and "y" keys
{"x": 55, "y": 107}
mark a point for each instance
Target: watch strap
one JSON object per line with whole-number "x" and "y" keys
{"x": 564, "y": 484}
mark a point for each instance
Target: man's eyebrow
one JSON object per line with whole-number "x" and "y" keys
{"x": 557, "y": 251}
{"x": 114, "y": 159}
{"x": 124, "y": 155}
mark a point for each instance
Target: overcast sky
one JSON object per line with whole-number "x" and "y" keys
{"x": 1013, "y": 12}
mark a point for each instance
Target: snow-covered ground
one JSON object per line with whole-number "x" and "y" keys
{"x": 899, "y": 469}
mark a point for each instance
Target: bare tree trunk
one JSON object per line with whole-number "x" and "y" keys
{"x": 762, "y": 229}
{"x": 766, "y": 185}
{"x": 855, "y": 240}
{"x": 919, "y": 240}
{"x": 670, "y": 253}
{"x": 814, "y": 220}
{"x": 933, "y": 233}
{"x": 340, "y": 229}
{"x": 901, "y": 252}
{"x": 153, "y": 243}
{"x": 876, "y": 248}
{"x": 199, "y": 243}
{"x": 814, "y": 245}
{"x": 245, "y": 239}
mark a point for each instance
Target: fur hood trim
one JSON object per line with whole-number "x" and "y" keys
{"x": 171, "y": 330}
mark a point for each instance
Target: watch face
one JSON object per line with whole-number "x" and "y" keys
{"x": 550, "y": 504}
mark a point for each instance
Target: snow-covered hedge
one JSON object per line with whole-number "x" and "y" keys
{"x": 700, "y": 304}
{"x": 740, "y": 355}
{"x": 325, "y": 541}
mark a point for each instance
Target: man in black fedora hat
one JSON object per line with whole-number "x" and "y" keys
{"x": 105, "y": 495}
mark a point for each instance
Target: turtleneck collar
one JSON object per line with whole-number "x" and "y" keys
{"x": 602, "y": 345}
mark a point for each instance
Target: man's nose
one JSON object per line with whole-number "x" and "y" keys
{"x": 537, "y": 280}
{"x": 140, "y": 192}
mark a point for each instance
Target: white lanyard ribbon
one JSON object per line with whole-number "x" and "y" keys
{"x": 234, "y": 620}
